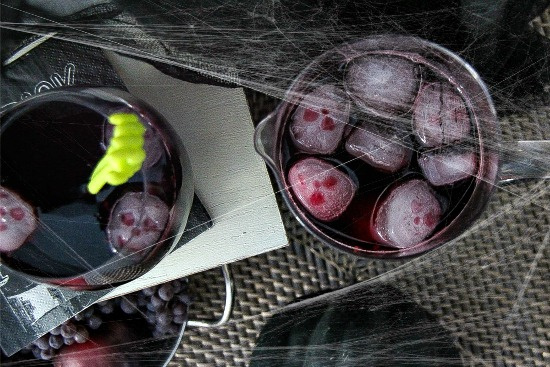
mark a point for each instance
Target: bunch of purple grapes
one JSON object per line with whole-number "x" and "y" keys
{"x": 164, "y": 307}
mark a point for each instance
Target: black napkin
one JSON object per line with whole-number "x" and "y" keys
{"x": 370, "y": 326}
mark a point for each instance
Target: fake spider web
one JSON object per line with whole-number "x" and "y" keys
{"x": 486, "y": 282}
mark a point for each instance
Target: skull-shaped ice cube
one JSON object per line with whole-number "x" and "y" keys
{"x": 137, "y": 221}
{"x": 321, "y": 188}
{"x": 383, "y": 83}
{"x": 17, "y": 220}
{"x": 319, "y": 121}
{"x": 381, "y": 148}
{"x": 406, "y": 215}
{"x": 440, "y": 115}
{"x": 447, "y": 168}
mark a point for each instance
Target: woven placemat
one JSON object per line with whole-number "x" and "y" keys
{"x": 490, "y": 288}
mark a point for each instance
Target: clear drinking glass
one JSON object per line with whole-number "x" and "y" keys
{"x": 61, "y": 233}
{"x": 397, "y": 90}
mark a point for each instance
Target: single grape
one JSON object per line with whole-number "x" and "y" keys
{"x": 95, "y": 322}
{"x": 107, "y": 308}
{"x": 36, "y": 352}
{"x": 55, "y": 341}
{"x": 177, "y": 285}
{"x": 166, "y": 292}
{"x": 81, "y": 335}
{"x": 128, "y": 307}
{"x": 164, "y": 318}
{"x": 46, "y": 354}
{"x": 68, "y": 330}
{"x": 56, "y": 330}
{"x": 179, "y": 309}
{"x": 156, "y": 303}
{"x": 149, "y": 291}
{"x": 43, "y": 342}
{"x": 88, "y": 312}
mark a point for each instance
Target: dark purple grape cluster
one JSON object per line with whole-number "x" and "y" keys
{"x": 164, "y": 307}
{"x": 74, "y": 330}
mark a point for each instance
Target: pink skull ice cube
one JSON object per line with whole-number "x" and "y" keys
{"x": 380, "y": 148}
{"x": 383, "y": 83}
{"x": 17, "y": 220}
{"x": 440, "y": 115}
{"x": 406, "y": 215}
{"x": 137, "y": 221}
{"x": 321, "y": 188}
{"x": 447, "y": 168}
{"x": 318, "y": 123}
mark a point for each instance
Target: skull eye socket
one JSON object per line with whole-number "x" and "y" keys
{"x": 17, "y": 213}
{"x": 330, "y": 182}
{"x": 310, "y": 115}
{"x": 127, "y": 219}
{"x": 149, "y": 225}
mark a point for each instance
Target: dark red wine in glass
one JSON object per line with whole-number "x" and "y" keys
{"x": 416, "y": 111}
{"x": 50, "y": 146}
{"x": 397, "y": 149}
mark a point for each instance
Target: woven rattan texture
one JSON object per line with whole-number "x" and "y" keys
{"x": 262, "y": 284}
{"x": 490, "y": 288}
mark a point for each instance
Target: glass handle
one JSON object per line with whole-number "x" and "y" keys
{"x": 265, "y": 137}
{"x": 228, "y": 306}
{"x": 526, "y": 159}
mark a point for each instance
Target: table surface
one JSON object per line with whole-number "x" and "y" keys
{"x": 490, "y": 288}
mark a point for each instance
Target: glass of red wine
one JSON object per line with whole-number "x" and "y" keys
{"x": 52, "y": 228}
{"x": 390, "y": 146}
